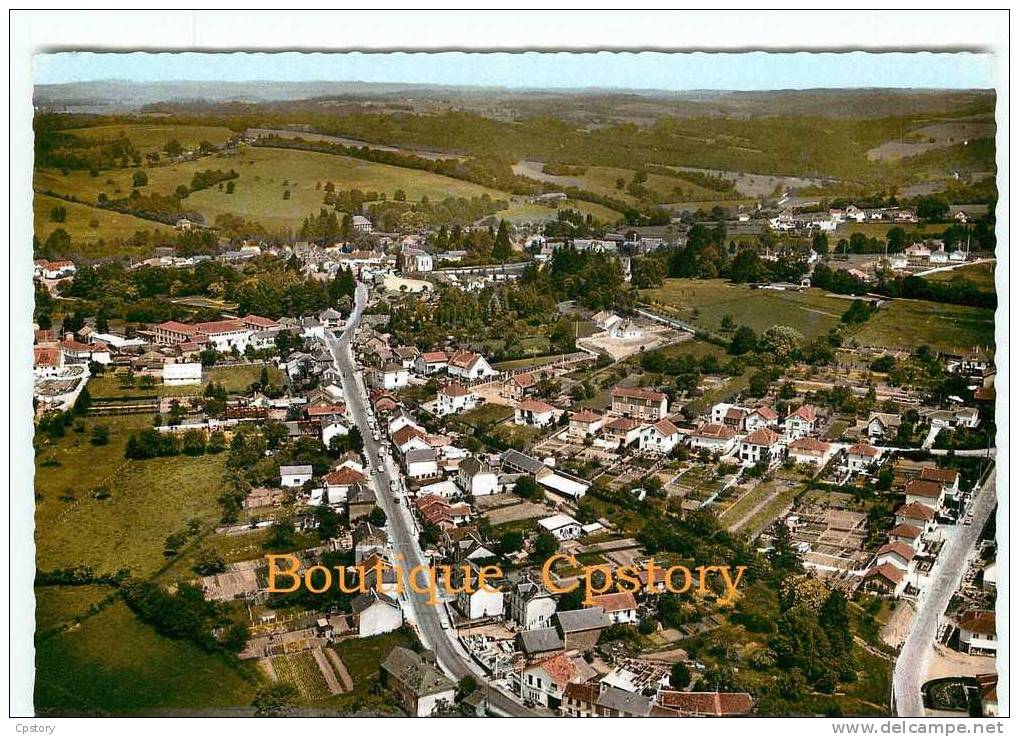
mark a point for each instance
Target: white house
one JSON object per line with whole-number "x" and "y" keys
{"x": 421, "y": 463}
{"x": 585, "y": 423}
{"x": 800, "y": 422}
{"x": 533, "y": 412}
{"x": 469, "y": 365}
{"x": 545, "y": 681}
{"x": 417, "y": 684}
{"x": 899, "y": 555}
{"x": 476, "y": 478}
{"x": 714, "y": 438}
{"x": 181, "y": 374}
{"x": 620, "y": 606}
{"x": 376, "y": 613}
{"x": 481, "y": 602}
{"x": 760, "y": 445}
{"x": 431, "y": 362}
{"x": 661, "y": 437}
{"x": 333, "y": 429}
{"x": 293, "y": 476}
{"x": 922, "y": 491}
{"x": 978, "y": 634}
{"x": 561, "y": 526}
{"x": 759, "y": 417}
{"x": 401, "y": 420}
{"x": 810, "y": 452}
{"x": 416, "y": 260}
{"x": 530, "y": 605}
{"x": 338, "y": 482}
{"x": 454, "y": 398}
{"x": 390, "y": 376}
{"x": 861, "y": 456}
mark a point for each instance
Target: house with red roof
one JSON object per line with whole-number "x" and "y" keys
{"x": 885, "y": 579}
{"x": 978, "y": 633}
{"x": 545, "y": 681}
{"x": 918, "y": 515}
{"x": 860, "y": 457}
{"x": 469, "y": 365}
{"x": 338, "y": 482}
{"x": 621, "y": 432}
{"x": 431, "y": 362}
{"x": 534, "y": 412}
{"x": 810, "y": 452}
{"x": 620, "y": 606}
{"x": 585, "y": 423}
{"x": 898, "y": 554}
{"x": 763, "y": 416}
{"x": 908, "y": 534}
{"x": 713, "y": 437}
{"x": 454, "y": 398}
{"x": 800, "y": 422}
{"x": 518, "y": 386}
{"x": 640, "y": 403}
{"x": 660, "y": 437}
{"x": 760, "y": 445}
{"x": 921, "y": 491}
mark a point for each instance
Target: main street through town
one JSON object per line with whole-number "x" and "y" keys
{"x": 912, "y": 663}
{"x": 431, "y": 621}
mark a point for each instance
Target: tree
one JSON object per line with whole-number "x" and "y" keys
{"x": 230, "y": 187}
{"x": 286, "y": 194}
{"x": 274, "y": 701}
{"x": 820, "y": 244}
{"x": 527, "y": 488}
{"x": 139, "y": 179}
{"x": 173, "y": 147}
{"x": 545, "y": 545}
{"x": 511, "y": 542}
{"x": 679, "y": 679}
{"x": 744, "y": 340}
{"x": 58, "y": 214}
{"x": 100, "y": 435}
{"x": 465, "y": 687}
{"x": 781, "y": 341}
{"x": 208, "y": 562}
{"x": 82, "y": 403}
{"x": 502, "y": 250}
{"x": 377, "y": 516}
{"x": 399, "y": 196}
{"x": 834, "y": 621}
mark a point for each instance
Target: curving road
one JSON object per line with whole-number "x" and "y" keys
{"x": 911, "y": 666}
{"x": 432, "y": 623}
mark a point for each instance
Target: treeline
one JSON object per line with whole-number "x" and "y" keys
{"x": 59, "y": 149}
{"x": 184, "y": 615}
{"x": 485, "y": 170}
{"x": 210, "y": 178}
{"x": 714, "y": 182}
{"x": 151, "y": 443}
{"x": 394, "y": 214}
{"x": 906, "y": 287}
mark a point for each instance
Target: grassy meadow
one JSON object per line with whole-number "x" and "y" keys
{"x": 703, "y": 303}
{"x": 908, "y": 324}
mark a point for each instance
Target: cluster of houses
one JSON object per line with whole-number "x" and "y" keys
{"x": 901, "y": 565}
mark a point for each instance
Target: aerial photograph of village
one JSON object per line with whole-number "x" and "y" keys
{"x": 702, "y": 381}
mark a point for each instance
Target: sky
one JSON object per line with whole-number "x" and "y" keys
{"x": 628, "y": 70}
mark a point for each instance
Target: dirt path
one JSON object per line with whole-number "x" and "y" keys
{"x": 327, "y": 672}
{"x": 341, "y": 670}
{"x": 897, "y": 627}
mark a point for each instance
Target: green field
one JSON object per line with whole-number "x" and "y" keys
{"x": 235, "y": 379}
{"x": 57, "y": 605}
{"x": 148, "y": 138}
{"x": 79, "y": 219}
{"x": 260, "y": 186}
{"x": 704, "y": 302}
{"x": 520, "y": 212}
{"x": 148, "y": 500}
{"x": 908, "y": 324}
{"x": 114, "y": 664}
{"x": 981, "y": 275}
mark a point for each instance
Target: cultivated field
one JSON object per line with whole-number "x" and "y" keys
{"x": 703, "y": 303}
{"x": 981, "y": 275}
